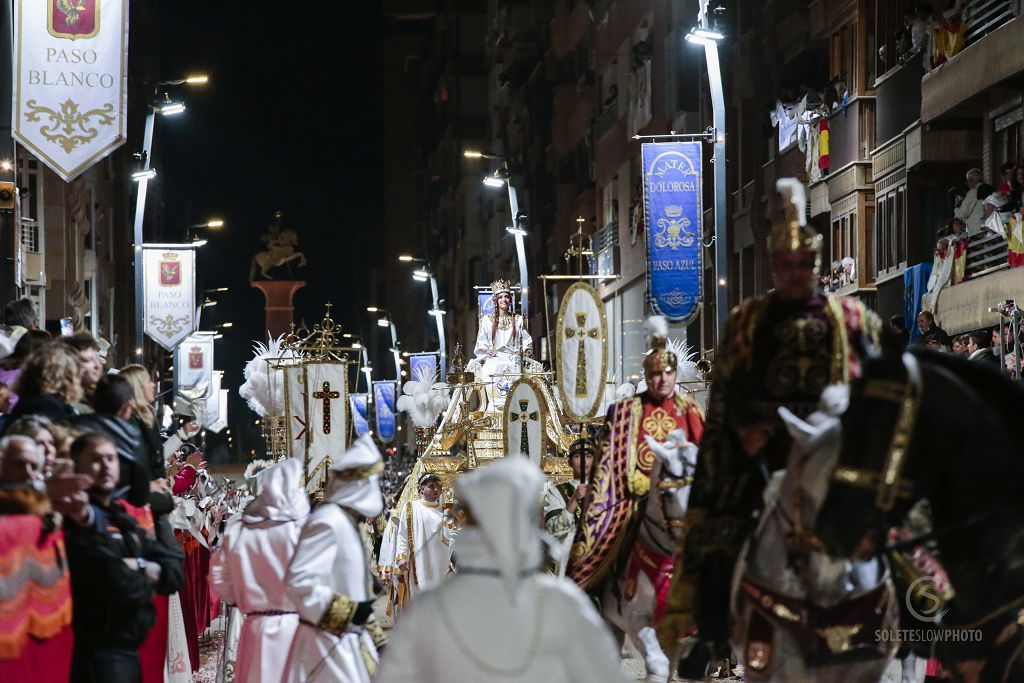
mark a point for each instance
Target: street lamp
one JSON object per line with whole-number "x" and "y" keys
{"x": 502, "y": 177}
{"x": 164, "y": 107}
{"x": 707, "y": 36}
{"x": 385, "y": 321}
{"x": 426, "y": 274}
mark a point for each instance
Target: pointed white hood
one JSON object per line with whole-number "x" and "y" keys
{"x": 505, "y": 500}
{"x": 282, "y": 497}
{"x": 354, "y": 481}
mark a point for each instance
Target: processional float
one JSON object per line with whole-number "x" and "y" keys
{"x": 300, "y": 384}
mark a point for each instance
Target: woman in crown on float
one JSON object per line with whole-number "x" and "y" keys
{"x": 498, "y": 342}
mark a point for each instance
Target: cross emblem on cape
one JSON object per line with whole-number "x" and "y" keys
{"x": 580, "y": 332}
{"x": 523, "y": 419}
{"x": 326, "y": 395}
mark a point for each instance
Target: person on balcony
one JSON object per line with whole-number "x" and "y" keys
{"x": 971, "y": 208}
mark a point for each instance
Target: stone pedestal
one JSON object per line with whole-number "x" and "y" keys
{"x": 279, "y": 307}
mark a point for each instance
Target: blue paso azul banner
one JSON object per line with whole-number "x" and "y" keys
{"x": 384, "y": 409}
{"x": 423, "y": 366}
{"x": 673, "y": 217}
{"x": 358, "y": 403}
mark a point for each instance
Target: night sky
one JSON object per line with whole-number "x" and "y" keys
{"x": 290, "y": 121}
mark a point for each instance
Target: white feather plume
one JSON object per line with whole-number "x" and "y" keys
{"x": 686, "y": 364}
{"x": 423, "y": 399}
{"x": 793, "y": 192}
{"x": 655, "y": 327}
{"x": 263, "y": 398}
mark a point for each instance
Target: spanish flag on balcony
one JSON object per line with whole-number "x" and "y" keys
{"x": 823, "y": 145}
{"x": 959, "y": 271}
{"x": 1015, "y": 241}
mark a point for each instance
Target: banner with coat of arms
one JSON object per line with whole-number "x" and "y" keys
{"x": 169, "y": 286}
{"x": 384, "y": 409}
{"x": 358, "y": 404}
{"x": 193, "y": 374}
{"x": 673, "y": 220}
{"x": 70, "y": 80}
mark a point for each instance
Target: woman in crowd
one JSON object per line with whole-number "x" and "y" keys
{"x": 10, "y": 367}
{"x": 49, "y": 384}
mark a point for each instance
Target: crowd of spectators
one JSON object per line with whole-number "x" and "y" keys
{"x": 982, "y": 346}
{"x": 87, "y": 486}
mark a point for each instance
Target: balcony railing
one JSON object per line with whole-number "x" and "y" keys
{"x": 606, "y": 236}
{"x": 986, "y": 252}
{"x": 606, "y": 119}
{"x": 984, "y": 16}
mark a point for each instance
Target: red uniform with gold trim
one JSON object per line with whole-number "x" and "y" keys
{"x": 622, "y": 478}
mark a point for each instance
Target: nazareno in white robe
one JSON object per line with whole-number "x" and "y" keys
{"x": 248, "y": 571}
{"x": 426, "y": 544}
{"x": 499, "y": 619}
{"x": 332, "y": 558}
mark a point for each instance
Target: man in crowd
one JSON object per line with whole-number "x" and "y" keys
{"x": 115, "y": 568}
{"x": 500, "y": 618}
{"x": 978, "y": 348}
{"x": 423, "y": 541}
{"x": 249, "y": 569}
{"x": 900, "y": 330}
{"x": 931, "y": 333}
{"x": 21, "y": 461}
{"x": 781, "y": 349}
{"x": 329, "y": 578}
{"x": 112, "y": 407}
{"x": 21, "y": 313}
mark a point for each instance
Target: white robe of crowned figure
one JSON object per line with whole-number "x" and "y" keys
{"x": 497, "y": 352}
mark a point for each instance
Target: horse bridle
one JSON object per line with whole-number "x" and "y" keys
{"x": 889, "y": 484}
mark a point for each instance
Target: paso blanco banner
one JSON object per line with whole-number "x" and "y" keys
{"x": 193, "y": 374}
{"x": 70, "y": 80}
{"x": 169, "y": 279}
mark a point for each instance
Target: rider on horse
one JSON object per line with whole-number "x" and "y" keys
{"x": 621, "y": 480}
{"x": 781, "y": 349}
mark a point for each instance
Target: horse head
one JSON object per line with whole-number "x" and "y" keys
{"x": 919, "y": 425}
{"x": 675, "y": 457}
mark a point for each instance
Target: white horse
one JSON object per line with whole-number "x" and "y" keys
{"x": 799, "y": 614}
{"x": 628, "y": 601}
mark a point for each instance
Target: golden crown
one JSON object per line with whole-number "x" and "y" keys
{"x": 673, "y": 211}
{"x": 501, "y": 286}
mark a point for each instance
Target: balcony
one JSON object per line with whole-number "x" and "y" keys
{"x": 964, "y": 307}
{"x": 993, "y": 66}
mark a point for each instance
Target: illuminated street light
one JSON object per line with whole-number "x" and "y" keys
{"x": 419, "y": 278}
{"x": 372, "y": 309}
{"x": 494, "y": 182}
{"x": 405, "y": 258}
{"x": 171, "y": 108}
{"x": 382, "y": 322}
